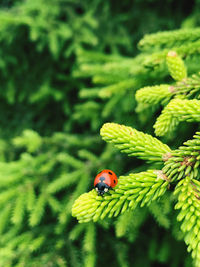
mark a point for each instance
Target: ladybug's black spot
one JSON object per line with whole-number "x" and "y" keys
{"x": 102, "y": 179}
{"x": 114, "y": 181}
{"x": 110, "y": 173}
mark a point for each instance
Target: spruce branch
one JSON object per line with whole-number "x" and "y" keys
{"x": 188, "y": 191}
{"x": 188, "y": 87}
{"x": 31, "y": 196}
{"x": 153, "y": 95}
{"x": 150, "y": 96}
{"x": 54, "y": 204}
{"x": 68, "y": 159}
{"x": 91, "y": 69}
{"x": 38, "y": 211}
{"x": 128, "y": 224}
{"x": 89, "y": 245}
{"x": 29, "y": 139}
{"x": 18, "y": 212}
{"x": 63, "y": 181}
{"x": 176, "y": 111}
{"x": 158, "y": 58}
{"x": 76, "y": 231}
{"x": 118, "y": 88}
{"x": 124, "y": 222}
{"x": 160, "y": 213}
{"x": 132, "y": 190}
{"x": 133, "y": 142}
{"x": 176, "y": 66}
{"x": 169, "y": 38}
{"x": 184, "y": 161}
{"x": 4, "y": 217}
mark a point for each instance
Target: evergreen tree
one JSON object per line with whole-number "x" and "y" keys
{"x": 175, "y": 168}
{"x": 66, "y": 68}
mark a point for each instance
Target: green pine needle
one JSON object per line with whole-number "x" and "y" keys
{"x": 133, "y": 142}
{"x": 176, "y": 66}
{"x": 188, "y": 191}
{"x": 153, "y": 95}
{"x": 132, "y": 190}
{"x": 176, "y": 111}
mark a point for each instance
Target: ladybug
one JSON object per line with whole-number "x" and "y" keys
{"x": 104, "y": 181}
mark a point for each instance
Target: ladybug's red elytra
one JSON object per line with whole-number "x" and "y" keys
{"x": 104, "y": 181}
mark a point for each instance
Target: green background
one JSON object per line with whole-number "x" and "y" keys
{"x": 52, "y": 106}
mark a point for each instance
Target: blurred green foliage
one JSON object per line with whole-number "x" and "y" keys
{"x": 66, "y": 67}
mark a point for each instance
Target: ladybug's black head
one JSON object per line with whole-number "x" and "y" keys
{"x": 102, "y": 188}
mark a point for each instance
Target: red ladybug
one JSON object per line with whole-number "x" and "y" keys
{"x": 104, "y": 181}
